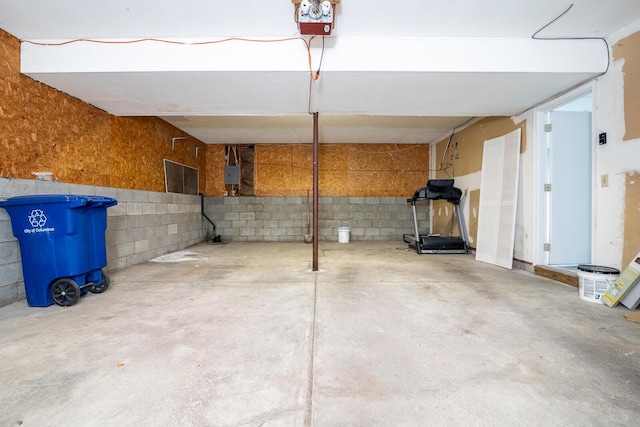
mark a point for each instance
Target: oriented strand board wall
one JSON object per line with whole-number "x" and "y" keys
{"x": 344, "y": 169}
{"x": 463, "y": 158}
{"x": 470, "y": 143}
{"x": 629, "y": 50}
{"x": 139, "y": 147}
{"x": 215, "y": 170}
{"x": 631, "y": 218}
{"x": 43, "y": 129}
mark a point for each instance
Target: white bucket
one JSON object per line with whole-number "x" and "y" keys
{"x": 594, "y": 280}
{"x": 343, "y": 234}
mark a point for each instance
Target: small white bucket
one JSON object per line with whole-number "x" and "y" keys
{"x": 594, "y": 280}
{"x": 343, "y": 234}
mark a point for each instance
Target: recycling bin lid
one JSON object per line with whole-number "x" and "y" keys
{"x": 98, "y": 201}
{"x": 74, "y": 199}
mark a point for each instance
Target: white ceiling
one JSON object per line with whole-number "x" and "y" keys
{"x": 392, "y": 72}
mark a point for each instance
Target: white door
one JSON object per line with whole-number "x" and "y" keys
{"x": 570, "y": 179}
{"x": 498, "y": 199}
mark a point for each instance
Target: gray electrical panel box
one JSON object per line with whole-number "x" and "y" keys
{"x": 232, "y": 175}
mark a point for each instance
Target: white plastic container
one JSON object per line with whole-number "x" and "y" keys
{"x": 43, "y": 176}
{"x": 594, "y": 280}
{"x": 344, "y": 232}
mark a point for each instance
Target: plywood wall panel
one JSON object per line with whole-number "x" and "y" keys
{"x": 629, "y": 50}
{"x": 214, "y": 185}
{"x": 631, "y": 217}
{"x": 44, "y": 129}
{"x": 335, "y": 184}
{"x": 282, "y": 170}
{"x": 140, "y": 145}
{"x": 9, "y": 45}
{"x": 443, "y": 221}
{"x": 345, "y": 169}
{"x": 334, "y": 171}
{"x": 470, "y": 142}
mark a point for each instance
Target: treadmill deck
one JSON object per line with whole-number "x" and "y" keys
{"x": 437, "y": 244}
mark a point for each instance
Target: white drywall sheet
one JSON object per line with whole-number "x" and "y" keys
{"x": 498, "y": 199}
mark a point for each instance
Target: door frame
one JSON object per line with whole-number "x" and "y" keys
{"x": 540, "y": 203}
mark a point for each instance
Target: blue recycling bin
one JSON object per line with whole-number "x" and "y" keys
{"x": 62, "y": 243}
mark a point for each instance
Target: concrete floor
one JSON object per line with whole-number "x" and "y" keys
{"x": 244, "y": 334}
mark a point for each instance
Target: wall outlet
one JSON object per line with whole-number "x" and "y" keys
{"x": 604, "y": 180}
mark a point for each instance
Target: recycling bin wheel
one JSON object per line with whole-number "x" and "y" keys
{"x": 65, "y": 292}
{"x": 102, "y": 287}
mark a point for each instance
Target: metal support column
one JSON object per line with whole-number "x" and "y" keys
{"x": 415, "y": 221}
{"x": 461, "y": 227}
{"x": 315, "y": 191}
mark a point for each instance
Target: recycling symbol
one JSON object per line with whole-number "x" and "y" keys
{"x": 37, "y": 218}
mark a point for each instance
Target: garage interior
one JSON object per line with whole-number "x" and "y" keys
{"x": 160, "y": 106}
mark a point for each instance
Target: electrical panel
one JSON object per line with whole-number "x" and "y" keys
{"x": 232, "y": 175}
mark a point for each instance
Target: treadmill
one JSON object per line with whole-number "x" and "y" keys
{"x": 438, "y": 189}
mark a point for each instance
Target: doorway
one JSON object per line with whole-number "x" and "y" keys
{"x": 565, "y": 181}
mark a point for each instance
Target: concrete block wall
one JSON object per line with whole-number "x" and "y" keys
{"x": 142, "y": 226}
{"x": 270, "y": 219}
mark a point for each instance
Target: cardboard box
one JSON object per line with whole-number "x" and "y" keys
{"x": 631, "y": 298}
{"x": 627, "y": 280}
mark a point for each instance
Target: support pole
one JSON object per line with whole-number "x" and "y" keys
{"x": 315, "y": 191}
